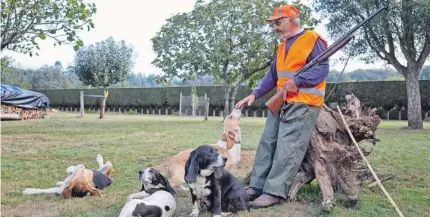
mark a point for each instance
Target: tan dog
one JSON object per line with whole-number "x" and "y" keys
{"x": 228, "y": 146}
{"x": 80, "y": 181}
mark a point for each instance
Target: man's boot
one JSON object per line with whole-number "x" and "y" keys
{"x": 266, "y": 200}
{"x": 252, "y": 193}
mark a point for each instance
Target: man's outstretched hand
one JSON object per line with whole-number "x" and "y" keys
{"x": 247, "y": 100}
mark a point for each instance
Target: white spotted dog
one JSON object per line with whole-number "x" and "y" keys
{"x": 155, "y": 199}
{"x": 80, "y": 182}
{"x": 213, "y": 186}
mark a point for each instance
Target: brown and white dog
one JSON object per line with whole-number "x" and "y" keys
{"x": 228, "y": 146}
{"x": 80, "y": 182}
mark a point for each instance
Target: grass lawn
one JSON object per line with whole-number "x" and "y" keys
{"x": 36, "y": 153}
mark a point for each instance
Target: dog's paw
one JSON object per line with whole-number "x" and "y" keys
{"x": 183, "y": 188}
{"x": 130, "y": 197}
{"x": 99, "y": 160}
{"x": 195, "y": 213}
{"x": 224, "y": 214}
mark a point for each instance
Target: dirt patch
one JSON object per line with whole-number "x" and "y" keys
{"x": 245, "y": 165}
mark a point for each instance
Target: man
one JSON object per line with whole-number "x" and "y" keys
{"x": 286, "y": 135}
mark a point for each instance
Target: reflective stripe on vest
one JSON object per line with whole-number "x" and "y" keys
{"x": 306, "y": 90}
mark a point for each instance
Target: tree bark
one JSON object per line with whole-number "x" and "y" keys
{"x": 415, "y": 120}
{"x": 234, "y": 93}
{"x": 103, "y": 105}
{"x": 227, "y": 101}
{"x": 332, "y": 158}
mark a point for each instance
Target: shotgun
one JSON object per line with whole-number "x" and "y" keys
{"x": 276, "y": 101}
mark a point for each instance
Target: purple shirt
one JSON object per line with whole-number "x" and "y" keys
{"x": 305, "y": 79}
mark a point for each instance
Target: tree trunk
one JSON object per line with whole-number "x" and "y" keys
{"x": 332, "y": 158}
{"x": 227, "y": 101}
{"x": 415, "y": 120}
{"x": 234, "y": 93}
{"x": 103, "y": 105}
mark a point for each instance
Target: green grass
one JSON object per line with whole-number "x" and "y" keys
{"x": 35, "y": 153}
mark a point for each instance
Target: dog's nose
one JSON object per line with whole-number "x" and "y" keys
{"x": 109, "y": 182}
{"x": 224, "y": 159}
{"x": 140, "y": 172}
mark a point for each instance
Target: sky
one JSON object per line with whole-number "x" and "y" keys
{"x": 136, "y": 22}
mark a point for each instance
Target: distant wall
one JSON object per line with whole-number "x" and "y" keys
{"x": 383, "y": 94}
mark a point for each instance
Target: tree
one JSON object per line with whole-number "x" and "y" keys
{"x": 23, "y": 21}
{"x": 103, "y": 65}
{"x": 228, "y": 39}
{"x": 400, "y": 37}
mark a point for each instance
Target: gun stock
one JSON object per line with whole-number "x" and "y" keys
{"x": 276, "y": 101}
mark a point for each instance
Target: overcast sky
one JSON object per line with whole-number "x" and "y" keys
{"x": 136, "y": 22}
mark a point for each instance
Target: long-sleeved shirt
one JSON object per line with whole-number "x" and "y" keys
{"x": 308, "y": 78}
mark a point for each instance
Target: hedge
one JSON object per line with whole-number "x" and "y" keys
{"x": 383, "y": 94}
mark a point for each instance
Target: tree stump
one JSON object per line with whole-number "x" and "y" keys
{"x": 332, "y": 157}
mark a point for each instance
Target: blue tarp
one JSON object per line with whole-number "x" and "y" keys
{"x": 20, "y": 97}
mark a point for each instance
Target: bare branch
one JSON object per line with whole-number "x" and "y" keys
{"x": 425, "y": 52}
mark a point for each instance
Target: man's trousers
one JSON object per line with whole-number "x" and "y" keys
{"x": 282, "y": 148}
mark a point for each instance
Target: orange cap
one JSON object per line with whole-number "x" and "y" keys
{"x": 284, "y": 11}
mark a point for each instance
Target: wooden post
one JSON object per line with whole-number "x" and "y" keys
{"x": 159, "y": 111}
{"x": 167, "y": 112}
{"x": 206, "y": 108}
{"x": 246, "y": 112}
{"x": 180, "y": 104}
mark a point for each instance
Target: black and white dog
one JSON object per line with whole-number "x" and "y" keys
{"x": 155, "y": 199}
{"x": 213, "y": 186}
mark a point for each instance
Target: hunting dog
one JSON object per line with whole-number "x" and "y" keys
{"x": 228, "y": 146}
{"x": 80, "y": 182}
{"x": 213, "y": 186}
{"x": 155, "y": 199}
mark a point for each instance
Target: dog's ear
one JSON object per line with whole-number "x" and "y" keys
{"x": 165, "y": 182}
{"x": 191, "y": 168}
{"x": 230, "y": 137}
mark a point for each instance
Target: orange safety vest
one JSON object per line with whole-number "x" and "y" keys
{"x": 287, "y": 66}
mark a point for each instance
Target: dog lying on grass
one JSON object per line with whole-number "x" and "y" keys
{"x": 80, "y": 182}
{"x": 155, "y": 199}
